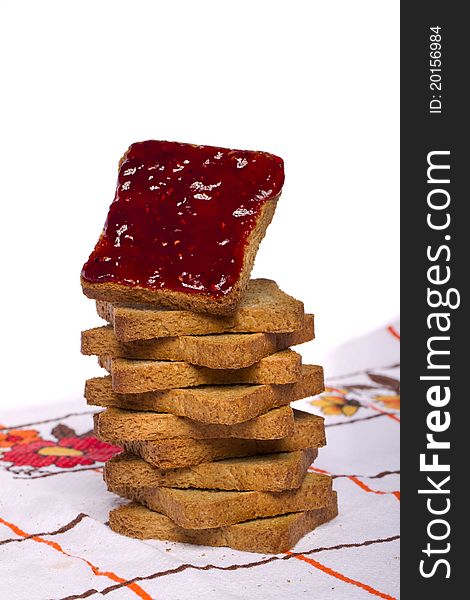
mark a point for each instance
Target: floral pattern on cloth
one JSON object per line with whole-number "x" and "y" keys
{"x": 55, "y": 542}
{"x": 15, "y": 437}
{"x": 26, "y": 452}
{"x": 349, "y": 398}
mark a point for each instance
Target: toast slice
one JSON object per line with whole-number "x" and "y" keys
{"x": 216, "y": 351}
{"x": 137, "y": 376}
{"x": 115, "y": 424}
{"x": 205, "y": 509}
{"x": 227, "y": 405}
{"x": 271, "y": 535}
{"x": 174, "y": 453}
{"x": 263, "y": 309}
{"x": 184, "y": 227}
{"x": 269, "y": 472}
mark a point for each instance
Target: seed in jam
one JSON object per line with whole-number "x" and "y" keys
{"x": 182, "y": 215}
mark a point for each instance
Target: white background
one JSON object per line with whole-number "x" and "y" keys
{"x": 315, "y": 82}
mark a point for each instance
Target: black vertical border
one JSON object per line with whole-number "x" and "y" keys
{"x": 422, "y": 132}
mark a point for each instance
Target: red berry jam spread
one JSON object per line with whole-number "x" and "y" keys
{"x": 182, "y": 215}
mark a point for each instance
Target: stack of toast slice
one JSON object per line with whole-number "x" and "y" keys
{"x": 212, "y": 452}
{"x": 200, "y": 367}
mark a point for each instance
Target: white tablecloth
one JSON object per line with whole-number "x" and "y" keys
{"x": 55, "y": 542}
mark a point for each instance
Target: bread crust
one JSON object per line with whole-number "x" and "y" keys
{"x": 210, "y": 404}
{"x": 309, "y": 432}
{"x": 264, "y": 308}
{"x": 269, "y": 472}
{"x": 270, "y": 535}
{"x": 136, "y": 376}
{"x": 216, "y": 351}
{"x": 116, "y": 425}
{"x": 204, "y": 509}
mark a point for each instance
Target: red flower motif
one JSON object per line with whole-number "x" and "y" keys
{"x": 66, "y": 453}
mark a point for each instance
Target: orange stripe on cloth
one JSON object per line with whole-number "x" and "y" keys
{"x": 138, "y": 591}
{"x": 391, "y": 329}
{"x": 383, "y": 412}
{"x": 319, "y": 470}
{"x": 366, "y": 488}
{"x": 359, "y": 483}
{"x": 342, "y": 577}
